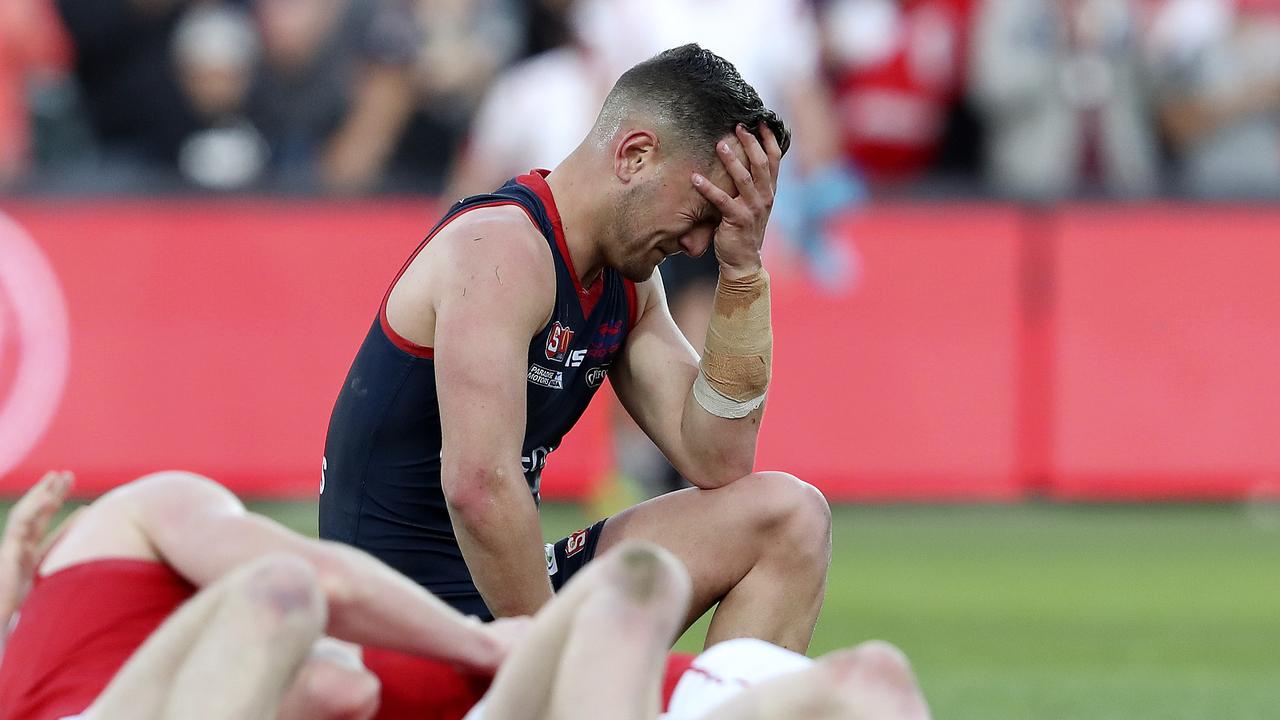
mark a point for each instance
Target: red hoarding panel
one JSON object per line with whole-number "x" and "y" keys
{"x": 904, "y": 387}
{"x": 210, "y": 336}
{"x": 213, "y": 336}
{"x": 1167, "y": 346}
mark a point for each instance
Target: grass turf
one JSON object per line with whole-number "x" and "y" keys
{"x": 1050, "y": 611}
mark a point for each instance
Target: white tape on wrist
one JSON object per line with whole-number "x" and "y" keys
{"x": 716, "y": 403}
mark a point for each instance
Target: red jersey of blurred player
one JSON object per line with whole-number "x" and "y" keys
{"x": 897, "y": 67}
{"x": 134, "y": 556}
{"x": 80, "y": 624}
{"x": 83, "y": 620}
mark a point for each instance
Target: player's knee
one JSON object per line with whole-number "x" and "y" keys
{"x": 648, "y": 573}
{"x": 286, "y": 587}
{"x": 797, "y": 517}
{"x": 331, "y": 692}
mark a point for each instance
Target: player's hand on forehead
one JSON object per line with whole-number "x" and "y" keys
{"x": 750, "y": 163}
{"x": 752, "y": 166}
{"x": 760, "y": 156}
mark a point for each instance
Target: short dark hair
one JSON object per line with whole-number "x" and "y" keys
{"x": 701, "y": 93}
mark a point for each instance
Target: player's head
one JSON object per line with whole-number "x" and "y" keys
{"x": 659, "y": 124}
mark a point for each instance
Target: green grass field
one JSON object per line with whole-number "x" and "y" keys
{"x": 1051, "y": 611}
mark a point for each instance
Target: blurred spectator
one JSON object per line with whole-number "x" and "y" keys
{"x": 215, "y": 51}
{"x": 34, "y": 53}
{"x": 1218, "y": 66}
{"x": 137, "y": 111}
{"x": 1061, "y": 87}
{"x": 897, "y": 68}
{"x": 547, "y": 26}
{"x": 464, "y": 45}
{"x": 534, "y": 114}
{"x": 332, "y": 94}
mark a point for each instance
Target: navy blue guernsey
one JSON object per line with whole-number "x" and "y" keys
{"x": 381, "y": 485}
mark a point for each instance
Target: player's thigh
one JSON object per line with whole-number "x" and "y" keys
{"x": 718, "y": 534}
{"x": 612, "y": 661}
{"x": 604, "y": 636}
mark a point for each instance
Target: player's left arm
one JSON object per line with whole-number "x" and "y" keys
{"x": 704, "y": 412}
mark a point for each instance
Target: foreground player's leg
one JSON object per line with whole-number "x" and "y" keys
{"x": 872, "y": 680}
{"x": 598, "y": 648}
{"x": 612, "y": 663}
{"x": 759, "y": 547}
{"x": 230, "y": 652}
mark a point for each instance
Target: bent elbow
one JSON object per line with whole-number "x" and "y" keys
{"x": 469, "y": 491}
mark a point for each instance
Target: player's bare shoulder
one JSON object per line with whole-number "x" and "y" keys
{"x": 493, "y": 250}
{"x": 487, "y": 251}
{"x": 500, "y": 233}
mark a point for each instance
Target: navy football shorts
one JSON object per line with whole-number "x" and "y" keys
{"x": 568, "y": 555}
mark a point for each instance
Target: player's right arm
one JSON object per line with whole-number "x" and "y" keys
{"x": 499, "y": 292}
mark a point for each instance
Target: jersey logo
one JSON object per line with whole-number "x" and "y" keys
{"x": 536, "y": 460}
{"x": 558, "y": 340}
{"x": 595, "y": 375}
{"x": 551, "y": 559}
{"x": 606, "y": 341}
{"x": 577, "y": 543}
{"x": 539, "y": 375}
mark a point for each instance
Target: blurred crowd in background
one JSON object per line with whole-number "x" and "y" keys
{"x": 1027, "y": 99}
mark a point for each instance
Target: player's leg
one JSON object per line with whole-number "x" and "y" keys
{"x": 601, "y": 640}
{"x": 613, "y": 659}
{"x": 228, "y": 653}
{"x": 872, "y": 680}
{"x": 759, "y": 546}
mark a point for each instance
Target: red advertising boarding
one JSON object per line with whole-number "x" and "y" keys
{"x": 978, "y": 352}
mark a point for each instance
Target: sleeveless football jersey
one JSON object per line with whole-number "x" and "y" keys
{"x": 381, "y": 487}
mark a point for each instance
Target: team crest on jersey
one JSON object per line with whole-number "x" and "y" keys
{"x": 559, "y": 339}
{"x": 606, "y": 341}
{"x": 595, "y": 376}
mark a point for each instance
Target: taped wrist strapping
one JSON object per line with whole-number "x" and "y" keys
{"x": 738, "y": 354}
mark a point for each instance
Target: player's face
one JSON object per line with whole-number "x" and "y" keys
{"x": 661, "y": 216}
